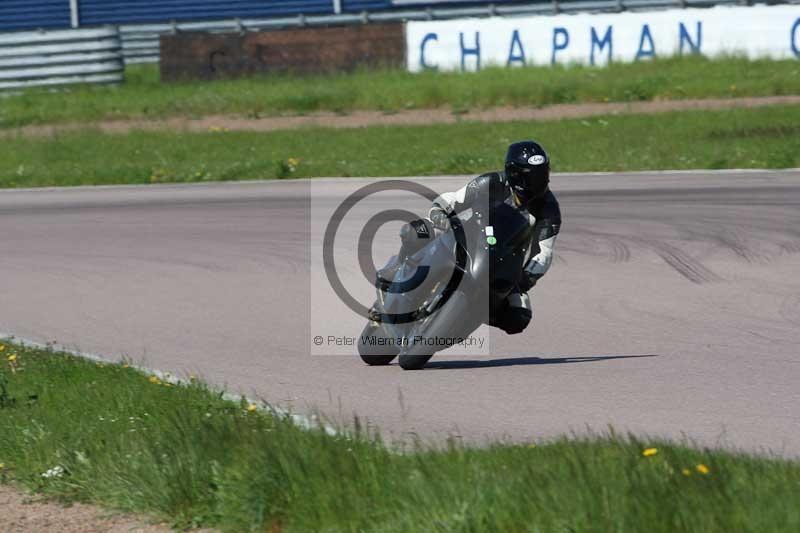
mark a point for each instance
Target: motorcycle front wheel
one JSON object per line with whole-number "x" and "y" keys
{"x": 373, "y": 353}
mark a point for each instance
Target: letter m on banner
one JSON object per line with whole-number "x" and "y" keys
{"x": 599, "y": 44}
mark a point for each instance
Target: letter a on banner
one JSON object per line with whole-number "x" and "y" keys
{"x": 651, "y": 51}
{"x": 515, "y": 43}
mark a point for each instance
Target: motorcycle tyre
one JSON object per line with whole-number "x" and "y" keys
{"x": 375, "y": 355}
{"x": 414, "y": 362}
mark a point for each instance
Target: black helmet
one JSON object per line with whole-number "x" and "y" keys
{"x": 527, "y": 170}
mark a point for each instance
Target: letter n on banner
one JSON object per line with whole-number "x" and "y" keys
{"x": 476, "y": 51}
{"x": 694, "y": 46}
{"x": 601, "y": 44}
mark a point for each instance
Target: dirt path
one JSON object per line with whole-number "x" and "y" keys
{"x": 358, "y": 119}
{"x": 20, "y": 512}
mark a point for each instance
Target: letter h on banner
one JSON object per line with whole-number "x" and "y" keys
{"x": 476, "y": 51}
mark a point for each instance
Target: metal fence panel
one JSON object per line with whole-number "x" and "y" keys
{"x": 46, "y": 59}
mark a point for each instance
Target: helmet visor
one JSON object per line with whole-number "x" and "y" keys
{"x": 526, "y": 183}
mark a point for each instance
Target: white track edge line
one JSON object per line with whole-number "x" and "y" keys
{"x": 301, "y": 421}
{"x": 214, "y": 184}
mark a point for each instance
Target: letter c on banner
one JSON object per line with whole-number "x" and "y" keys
{"x": 796, "y": 37}
{"x": 422, "y": 63}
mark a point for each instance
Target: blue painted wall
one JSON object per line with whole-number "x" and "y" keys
{"x": 32, "y": 14}
{"x": 365, "y": 5}
{"x": 93, "y": 12}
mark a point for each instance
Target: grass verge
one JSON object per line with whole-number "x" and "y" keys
{"x": 143, "y": 96}
{"x": 105, "y": 433}
{"x": 741, "y": 138}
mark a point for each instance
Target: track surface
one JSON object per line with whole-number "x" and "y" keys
{"x": 673, "y": 307}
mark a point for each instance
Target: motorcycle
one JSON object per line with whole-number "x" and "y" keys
{"x": 444, "y": 285}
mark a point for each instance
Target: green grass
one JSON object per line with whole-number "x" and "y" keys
{"x": 143, "y": 96}
{"x": 742, "y": 138}
{"x": 185, "y": 455}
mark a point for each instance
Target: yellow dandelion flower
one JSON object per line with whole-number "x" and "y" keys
{"x": 154, "y": 380}
{"x": 126, "y": 365}
{"x": 252, "y": 408}
{"x": 2, "y": 347}
{"x": 11, "y": 358}
{"x": 532, "y": 445}
{"x": 2, "y": 466}
{"x": 649, "y": 452}
{"x": 703, "y": 469}
{"x": 686, "y": 472}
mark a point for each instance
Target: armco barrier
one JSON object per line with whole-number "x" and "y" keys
{"x": 46, "y": 59}
{"x": 203, "y": 55}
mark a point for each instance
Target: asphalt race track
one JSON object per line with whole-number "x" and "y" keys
{"x": 673, "y": 307}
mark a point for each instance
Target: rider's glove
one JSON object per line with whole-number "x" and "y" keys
{"x": 528, "y": 281}
{"x": 439, "y": 218}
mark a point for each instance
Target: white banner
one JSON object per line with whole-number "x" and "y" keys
{"x": 596, "y": 39}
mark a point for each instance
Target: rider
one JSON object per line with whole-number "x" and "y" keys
{"x": 525, "y": 185}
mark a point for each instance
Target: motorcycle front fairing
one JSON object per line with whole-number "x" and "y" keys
{"x": 437, "y": 262}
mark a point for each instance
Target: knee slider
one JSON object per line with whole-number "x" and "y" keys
{"x": 516, "y": 321}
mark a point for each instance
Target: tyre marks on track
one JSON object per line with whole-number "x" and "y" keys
{"x": 790, "y": 309}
